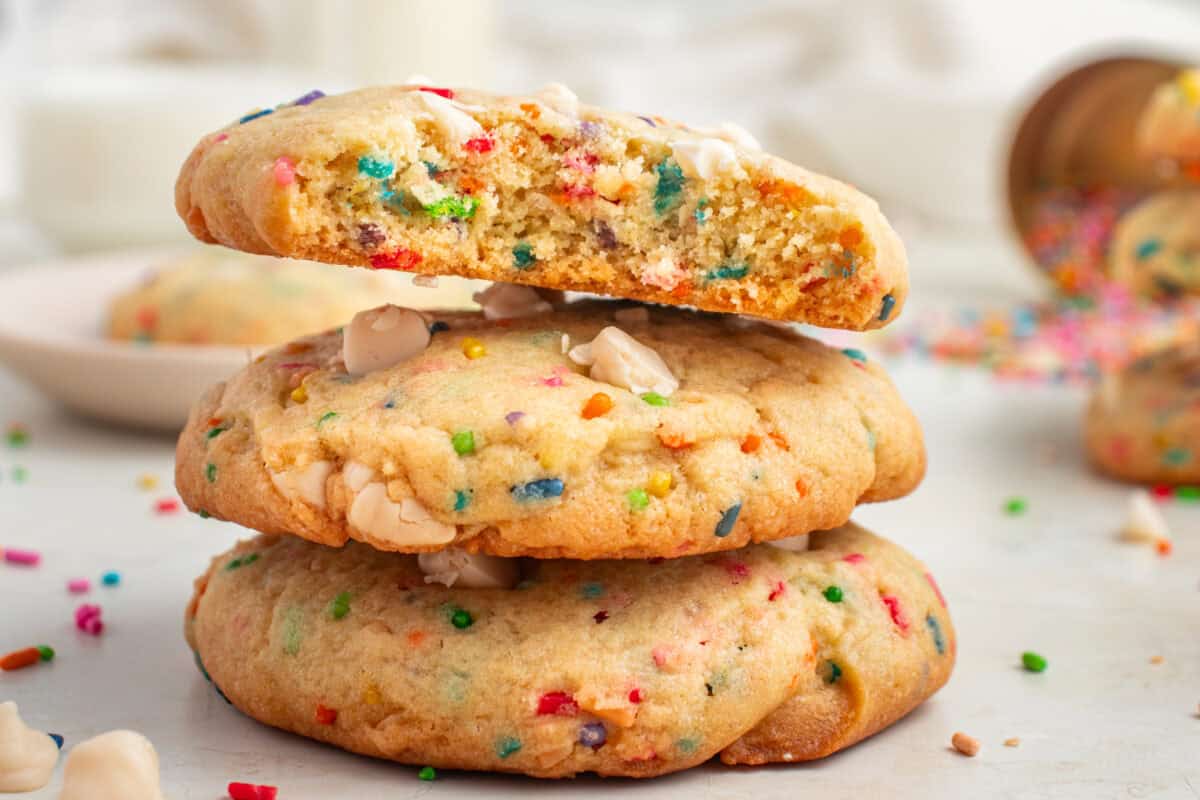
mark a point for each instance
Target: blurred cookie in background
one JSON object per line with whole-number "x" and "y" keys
{"x": 1143, "y": 423}
{"x": 1169, "y": 127}
{"x": 1155, "y": 249}
{"x": 219, "y": 297}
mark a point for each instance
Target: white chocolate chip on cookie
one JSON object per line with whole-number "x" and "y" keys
{"x": 405, "y": 523}
{"x": 616, "y": 357}
{"x": 510, "y": 301}
{"x": 796, "y": 544}
{"x": 706, "y": 158}
{"x": 305, "y": 483}
{"x": 383, "y": 337}
{"x": 471, "y": 570}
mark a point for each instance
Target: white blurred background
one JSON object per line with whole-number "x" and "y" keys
{"x": 913, "y": 100}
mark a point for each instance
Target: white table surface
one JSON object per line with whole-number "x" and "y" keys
{"x": 1101, "y": 722}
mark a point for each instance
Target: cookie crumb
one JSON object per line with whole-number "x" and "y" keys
{"x": 967, "y": 745}
{"x": 1012, "y": 742}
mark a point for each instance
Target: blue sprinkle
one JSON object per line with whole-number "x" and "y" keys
{"x": 698, "y": 214}
{"x": 305, "y": 99}
{"x": 648, "y": 121}
{"x": 255, "y": 115}
{"x": 885, "y": 310}
{"x": 855, "y": 353}
{"x": 375, "y": 167}
{"x": 538, "y": 490}
{"x": 734, "y": 272}
{"x": 1177, "y": 455}
{"x": 936, "y": 631}
{"x": 462, "y": 499}
{"x": 438, "y": 326}
{"x": 1148, "y": 248}
{"x": 58, "y": 739}
{"x": 728, "y": 518}
{"x": 591, "y": 591}
{"x": 395, "y": 201}
{"x": 593, "y": 735}
{"x": 431, "y": 168}
{"x": 111, "y": 579}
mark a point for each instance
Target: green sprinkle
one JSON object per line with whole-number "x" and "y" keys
{"x": 427, "y": 774}
{"x": 871, "y": 441}
{"x": 45, "y": 652}
{"x": 210, "y": 472}
{"x": 462, "y": 499}
{"x": 834, "y": 672}
{"x": 292, "y": 619}
{"x": 1188, "y": 494}
{"x": 638, "y": 499}
{"x": 728, "y": 518}
{"x": 1033, "y": 662}
{"x": 699, "y": 214}
{"x": 340, "y": 606}
{"x": 464, "y": 442}
{"x": 1015, "y": 506}
{"x": 523, "y": 257}
{"x": 213, "y": 433}
{"x": 833, "y": 594}
{"x": 1147, "y": 248}
{"x": 687, "y": 745}
{"x": 1177, "y": 455}
{"x": 935, "y": 630}
{"x": 328, "y": 415}
{"x": 17, "y": 436}
{"x": 655, "y": 399}
{"x": 669, "y": 187}
{"x": 203, "y": 514}
{"x": 19, "y": 474}
{"x": 590, "y": 591}
{"x": 855, "y": 354}
{"x": 431, "y": 169}
{"x": 507, "y": 745}
{"x": 243, "y": 561}
{"x": 728, "y": 272}
{"x": 454, "y": 207}
{"x": 375, "y": 167}
{"x": 461, "y": 619}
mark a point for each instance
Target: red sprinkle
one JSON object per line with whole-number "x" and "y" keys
{"x": 402, "y": 259}
{"x": 220, "y": 138}
{"x": 557, "y": 703}
{"x": 854, "y": 558}
{"x": 635, "y": 695}
{"x": 326, "y": 716}
{"x": 893, "y": 604}
{"x": 284, "y": 171}
{"x": 1162, "y": 492}
{"x": 577, "y": 191}
{"x": 777, "y": 591}
{"x": 480, "y": 144}
{"x": 736, "y": 569}
{"x": 252, "y": 791}
{"x": 936, "y": 589}
{"x": 168, "y": 505}
{"x": 446, "y": 93}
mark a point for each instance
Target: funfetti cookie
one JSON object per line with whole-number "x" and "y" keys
{"x": 1170, "y": 124}
{"x": 545, "y": 191}
{"x": 220, "y": 297}
{"x": 640, "y": 668}
{"x": 1155, "y": 249}
{"x": 1143, "y": 424}
{"x": 599, "y": 430}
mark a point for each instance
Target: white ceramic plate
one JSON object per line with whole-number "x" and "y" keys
{"x": 51, "y": 322}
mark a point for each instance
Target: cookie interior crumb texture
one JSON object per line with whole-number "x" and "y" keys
{"x": 544, "y": 191}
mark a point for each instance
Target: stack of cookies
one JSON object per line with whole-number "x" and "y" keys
{"x": 557, "y": 537}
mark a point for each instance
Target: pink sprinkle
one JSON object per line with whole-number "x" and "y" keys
{"x": 555, "y": 380}
{"x": 220, "y": 138}
{"x": 168, "y": 505}
{"x": 854, "y": 558}
{"x": 26, "y": 558}
{"x": 736, "y": 570}
{"x": 87, "y": 619}
{"x": 79, "y": 585}
{"x": 284, "y": 171}
{"x": 777, "y": 591}
{"x": 586, "y": 165}
{"x": 893, "y": 604}
{"x": 661, "y": 656}
{"x": 936, "y": 589}
{"x": 577, "y": 191}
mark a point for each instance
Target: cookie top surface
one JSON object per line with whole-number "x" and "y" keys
{"x": 542, "y": 190}
{"x": 1170, "y": 124}
{"x": 620, "y": 668}
{"x": 1143, "y": 423}
{"x": 494, "y": 438}
{"x": 219, "y": 297}
{"x": 1155, "y": 248}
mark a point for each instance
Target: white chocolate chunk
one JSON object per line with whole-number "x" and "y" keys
{"x": 705, "y": 158}
{"x": 797, "y": 544}
{"x": 560, "y": 98}
{"x": 27, "y": 757}
{"x": 455, "y": 124}
{"x": 405, "y": 523}
{"x": 383, "y": 337}
{"x": 734, "y": 133}
{"x": 356, "y": 475}
{"x": 1143, "y": 521}
{"x": 510, "y": 301}
{"x": 305, "y": 483}
{"x": 471, "y": 570}
{"x": 118, "y": 765}
{"x": 616, "y": 357}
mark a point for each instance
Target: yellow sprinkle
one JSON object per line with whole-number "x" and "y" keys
{"x": 371, "y": 695}
{"x": 473, "y": 348}
{"x": 1189, "y": 85}
{"x": 260, "y": 359}
{"x": 300, "y": 394}
{"x": 659, "y": 484}
{"x": 147, "y": 482}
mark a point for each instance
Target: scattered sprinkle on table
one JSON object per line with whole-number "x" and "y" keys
{"x": 16, "y": 435}
{"x": 87, "y": 619}
{"x": 23, "y": 558}
{"x": 1012, "y": 742}
{"x": 427, "y": 774}
{"x": 167, "y": 505}
{"x": 967, "y": 745}
{"x": 1015, "y": 506}
{"x": 147, "y": 482}
{"x": 1156, "y": 660}
{"x": 1033, "y": 662}
{"x": 26, "y": 657}
{"x": 111, "y": 578}
{"x": 251, "y": 791}
{"x": 79, "y": 586}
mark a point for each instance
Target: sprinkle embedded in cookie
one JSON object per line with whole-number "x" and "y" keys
{"x": 691, "y": 435}
{"x": 545, "y": 191}
{"x": 634, "y": 668}
{"x": 1155, "y": 248}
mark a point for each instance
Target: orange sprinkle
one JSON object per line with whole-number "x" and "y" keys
{"x": 416, "y": 637}
{"x": 850, "y": 238}
{"x": 682, "y": 289}
{"x": 778, "y": 439}
{"x": 597, "y": 405}
{"x": 1164, "y": 547}
{"x": 801, "y": 488}
{"x": 471, "y": 185}
{"x": 291, "y": 348}
{"x": 326, "y": 716}
{"x": 674, "y": 441}
{"x": 214, "y": 422}
{"x": 20, "y": 659}
{"x": 751, "y": 443}
{"x": 531, "y": 109}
